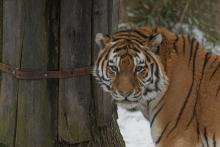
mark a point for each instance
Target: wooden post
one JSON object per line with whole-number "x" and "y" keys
{"x": 75, "y": 51}
{"x": 9, "y": 85}
{"x": 1, "y": 29}
{"x": 55, "y": 35}
{"x": 34, "y": 107}
{"x": 25, "y": 106}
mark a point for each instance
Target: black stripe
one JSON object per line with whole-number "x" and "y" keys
{"x": 152, "y": 72}
{"x": 148, "y": 54}
{"x": 176, "y": 40}
{"x": 99, "y": 59}
{"x": 136, "y": 41}
{"x": 160, "y": 101}
{"x": 206, "y": 138}
{"x": 197, "y": 130}
{"x": 218, "y": 90}
{"x": 123, "y": 31}
{"x": 159, "y": 139}
{"x": 135, "y": 47}
{"x": 184, "y": 44}
{"x": 103, "y": 68}
{"x": 149, "y": 79}
{"x": 146, "y": 74}
{"x": 136, "y": 50}
{"x": 191, "y": 49}
{"x": 214, "y": 71}
{"x": 131, "y": 36}
{"x": 118, "y": 39}
{"x": 155, "y": 115}
{"x": 104, "y": 79}
{"x": 214, "y": 141}
{"x": 207, "y": 55}
{"x": 148, "y": 59}
{"x": 157, "y": 71}
{"x": 188, "y": 95}
{"x": 157, "y": 50}
{"x": 138, "y": 45}
{"x": 97, "y": 71}
{"x": 129, "y": 39}
{"x": 107, "y": 86}
{"x": 157, "y": 76}
{"x": 148, "y": 107}
{"x": 110, "y": 61}
{"x": 119, "y": 49}
{"x": 141, "y": 34}
{"x": 216, "y": 58}
{"x": 188, "y": 40}
{"x": 118, "y": 45}
{"x": 152, "y": 67}
{"x": 194, "y": 113}
{"x": 147, "y": 91}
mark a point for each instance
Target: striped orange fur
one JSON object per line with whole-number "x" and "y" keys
{"x": 169, "y": 78}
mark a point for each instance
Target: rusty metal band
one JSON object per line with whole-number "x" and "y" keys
{"x": 35, "y": 75}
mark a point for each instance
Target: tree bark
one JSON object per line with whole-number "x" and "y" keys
{"x": 92, "y": 17}
{"x": 1, "y": 28}
{"x": 54, "y": 35}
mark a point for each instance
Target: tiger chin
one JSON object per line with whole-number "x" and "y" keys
{"x": 169, "y": 78}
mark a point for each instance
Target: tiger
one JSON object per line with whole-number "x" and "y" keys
{"x": 169, "y": 77}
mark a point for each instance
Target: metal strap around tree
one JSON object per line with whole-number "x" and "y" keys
{"x": 36, "y": 74}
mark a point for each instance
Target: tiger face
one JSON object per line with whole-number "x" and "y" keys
{"x": 128, "y": 68}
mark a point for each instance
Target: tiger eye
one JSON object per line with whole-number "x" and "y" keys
{"x": 139, "y": 68}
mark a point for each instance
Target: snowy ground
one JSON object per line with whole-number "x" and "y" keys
{"x": 134, "y": 128}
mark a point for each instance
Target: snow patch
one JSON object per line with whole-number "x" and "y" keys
{"x": 199, "y": 35}
{"x": 135, "y": 129}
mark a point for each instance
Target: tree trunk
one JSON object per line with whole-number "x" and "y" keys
{"x": 1, "y": 31}
{"x": 55, "y": 35}
{"x": 1, "y": 28}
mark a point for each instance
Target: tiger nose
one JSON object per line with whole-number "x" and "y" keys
{"x": 125, "y": 93}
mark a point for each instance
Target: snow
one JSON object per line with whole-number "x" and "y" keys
{"x": 134, "y": 128}
{"x": 216, "y": 50}
{"x": 199, "y": 35}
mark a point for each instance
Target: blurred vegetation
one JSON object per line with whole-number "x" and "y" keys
{"x": 182, "y": 16}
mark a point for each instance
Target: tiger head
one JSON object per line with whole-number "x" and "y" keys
{"x": 128, "y": 67}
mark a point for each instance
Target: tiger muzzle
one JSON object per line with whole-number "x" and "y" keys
{"x": 125, "y": 93}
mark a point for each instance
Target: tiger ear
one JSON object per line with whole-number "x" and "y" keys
{"x": 101, "y": 39}
{"x": 155, "y": 42}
